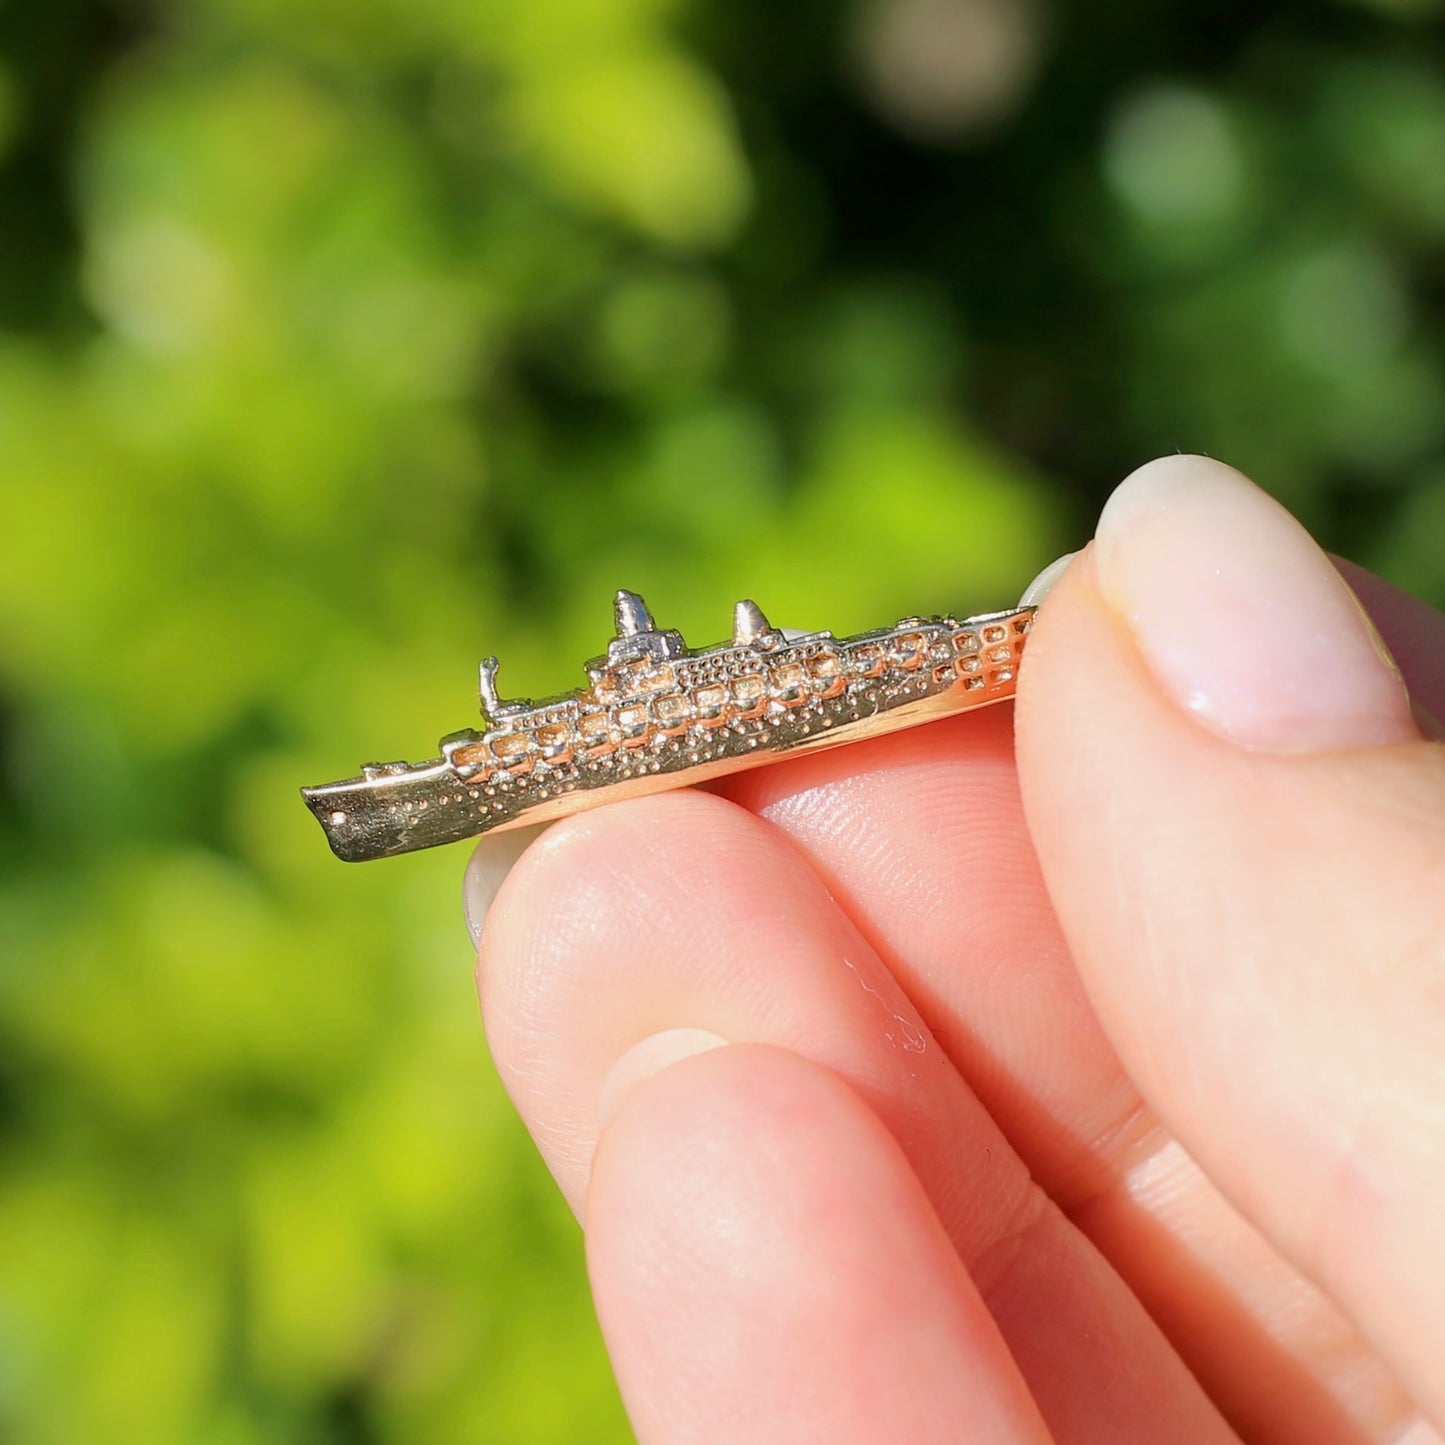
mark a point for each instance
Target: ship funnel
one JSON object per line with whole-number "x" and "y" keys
{"x": 632, "y": 614}
{"x": 749, "y": 624}
{"x": 487, "y": 686}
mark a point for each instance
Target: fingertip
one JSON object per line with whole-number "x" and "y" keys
{"x": 580, "y": 872}
{"x": 766, "y": 1266}
{"x": 492, "y": 860}
{"x": 729, "y": 1103}
{"x": 676, "y": 911}
{"x": 710, "y": 1189}
{"x": 1243, "y": 622}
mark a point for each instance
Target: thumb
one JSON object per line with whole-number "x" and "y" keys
{"x": 1243, "y": 834}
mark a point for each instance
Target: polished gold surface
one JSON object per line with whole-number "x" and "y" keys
{"x": 655, "y": 714}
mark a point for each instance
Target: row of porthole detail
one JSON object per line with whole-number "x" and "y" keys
{"x": 986, "y": 661}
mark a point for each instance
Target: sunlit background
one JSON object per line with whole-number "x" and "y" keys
{"x": 345, "y": 341}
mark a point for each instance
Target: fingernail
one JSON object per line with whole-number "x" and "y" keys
{"x": 647, "y": 1059}
{"x": 1429, "y": 725}
{"x": 491, "y": 861}
{"x": 1241, "y": 617}
{"x": 1043, "y": 584}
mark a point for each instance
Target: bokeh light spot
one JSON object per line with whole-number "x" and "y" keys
{"x": 1171, "y": 156}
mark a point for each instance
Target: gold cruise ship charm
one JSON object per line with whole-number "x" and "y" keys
{"x": 656, "y": 714}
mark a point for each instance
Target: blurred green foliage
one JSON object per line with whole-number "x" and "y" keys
{"x": 342, "y": 341}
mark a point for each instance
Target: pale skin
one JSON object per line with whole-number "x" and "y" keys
{"x": 1070, "y": 1071}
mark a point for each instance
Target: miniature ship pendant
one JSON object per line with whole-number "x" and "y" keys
{"x": 657, "y": 715}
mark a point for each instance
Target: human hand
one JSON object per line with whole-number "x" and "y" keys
{"x": 1073, "y": 1074}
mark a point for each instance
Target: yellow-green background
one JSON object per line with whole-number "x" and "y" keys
{"x": 344, "y": 341}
